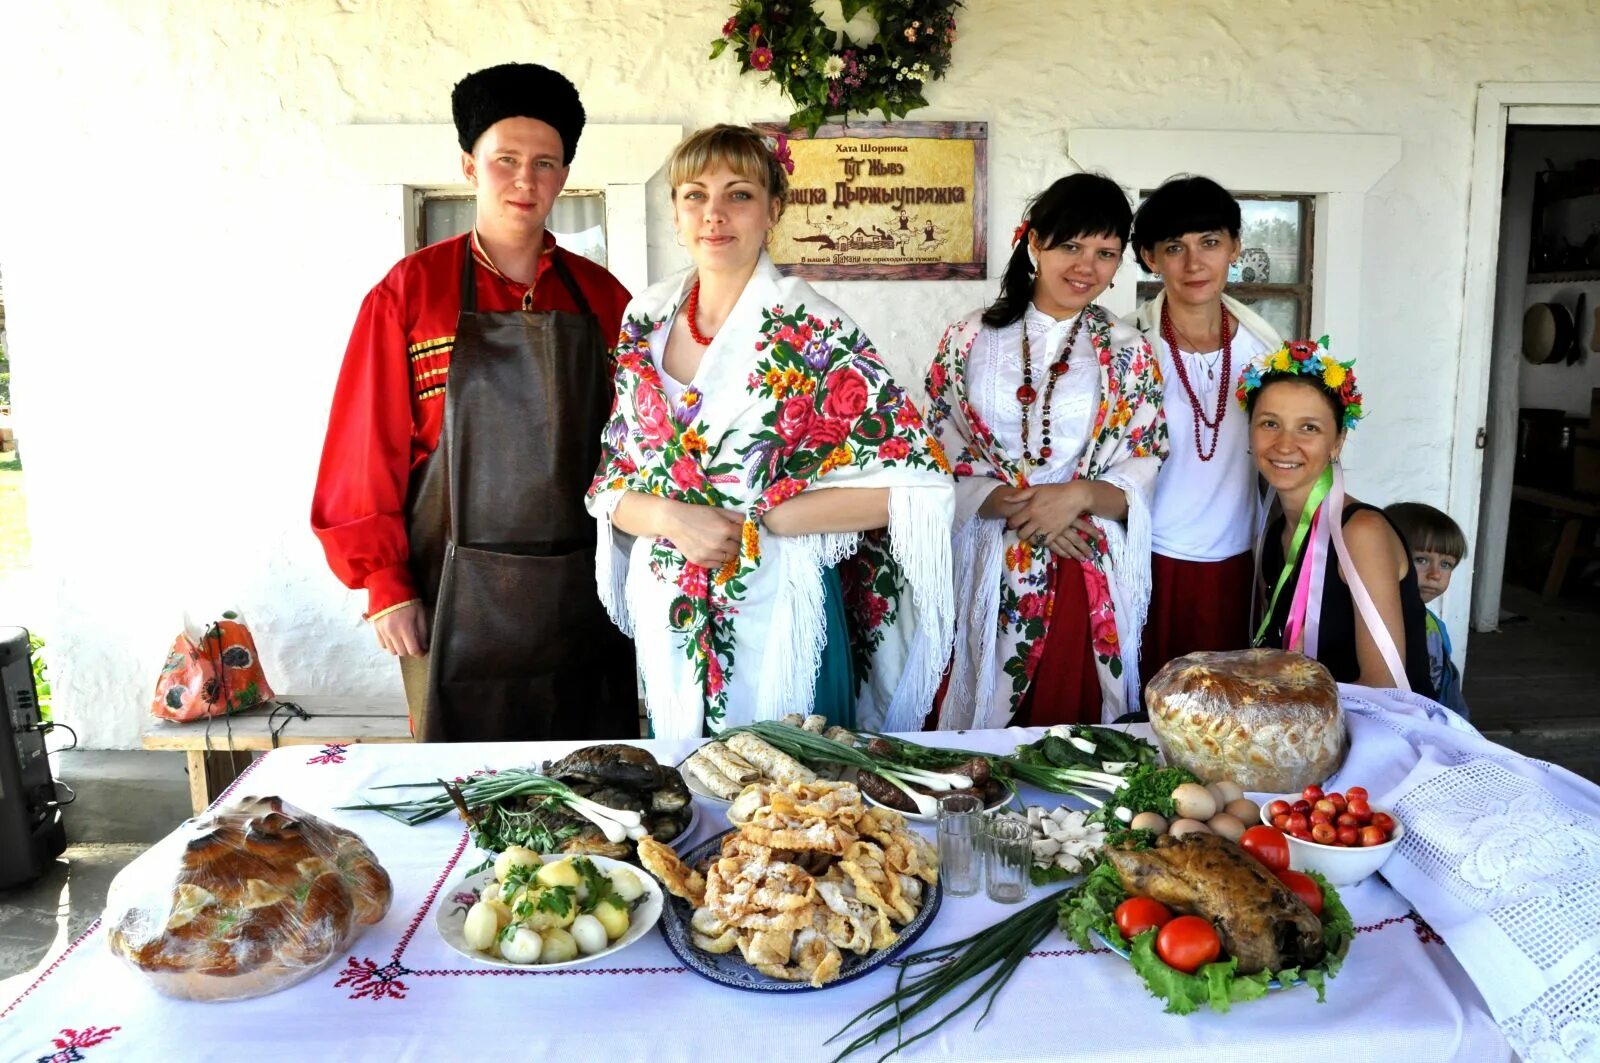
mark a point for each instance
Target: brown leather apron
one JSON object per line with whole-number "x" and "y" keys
{"x": 502, "y": 548}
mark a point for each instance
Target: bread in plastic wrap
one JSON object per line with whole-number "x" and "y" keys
{"x": 1266, "y": 719}
{"x": 244, "y": 901}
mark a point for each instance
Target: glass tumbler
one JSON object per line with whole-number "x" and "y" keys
{"x": 960, "y": 830}
{"x": 1006, "y": 858}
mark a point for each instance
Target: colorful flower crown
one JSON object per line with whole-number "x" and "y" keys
{"x": 1304, "y": 358}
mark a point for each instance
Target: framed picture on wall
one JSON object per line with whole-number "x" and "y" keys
{"x": 885, "y": 201}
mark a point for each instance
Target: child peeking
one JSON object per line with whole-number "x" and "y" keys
{"x": 1437, "y": 547}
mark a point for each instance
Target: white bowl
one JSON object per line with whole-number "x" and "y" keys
{"x": 1340, "y": 865}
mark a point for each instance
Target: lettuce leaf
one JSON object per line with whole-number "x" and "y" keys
{"x": 1092, "y": 905}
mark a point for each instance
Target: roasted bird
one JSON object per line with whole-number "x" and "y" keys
{"x": 1260, "y": 920}
{"x": 626, "y": 777}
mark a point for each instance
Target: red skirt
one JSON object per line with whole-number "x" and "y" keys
{"x": 1195, "y": 605}
{"x": 1066, "y": 684}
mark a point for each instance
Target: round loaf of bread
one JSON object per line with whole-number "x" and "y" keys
{"x": 1266, "y": 719}
{"x": 244, "y": 901}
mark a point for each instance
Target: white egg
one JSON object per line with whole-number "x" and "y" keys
{"x": 589, "y": 933}
{"x": 626, "y": 884}
{"x": 523, "y": 946}
{"x": 480, "y": 927}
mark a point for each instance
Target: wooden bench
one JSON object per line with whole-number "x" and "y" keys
{"x": 216, "y": 762}
{"x": 1574, "y": 512}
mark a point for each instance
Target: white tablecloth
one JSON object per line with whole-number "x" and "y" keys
{"x": 401, "y": 994}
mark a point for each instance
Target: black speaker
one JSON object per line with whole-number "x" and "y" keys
{"x": 32, "y": 833}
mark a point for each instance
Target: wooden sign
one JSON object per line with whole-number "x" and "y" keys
{"x": 885, "y": 201}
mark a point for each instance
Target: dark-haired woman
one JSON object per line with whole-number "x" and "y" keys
{"x": 1050, "y": 410}
{"x": 1201, "y": 568}
{"x": 1339, "y": 579}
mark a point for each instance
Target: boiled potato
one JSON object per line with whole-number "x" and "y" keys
{"x": 1229, "y": 826}
{"x": 514, "y": 856}
{"x": 1180, "y": 827}
{"x": 626, "y": 884}
{"x": 480, "y": 927}
{"x": 523, "y": 946}
{"x": 560, "y": 873}
{"x": 558, "y": 947}
{"x": 613, "y": 917}
{"x": 543, "y": 919}
{"x": 1194, "y": 801}
{"x": 589, "y": 933}
{"x": 502, "y": 914}
{"x": 511, "y": 894}
{"x": 1150, "y": 821}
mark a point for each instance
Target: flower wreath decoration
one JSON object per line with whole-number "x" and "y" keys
{"x": 1308, "y": 359}
{"x": 828, "y": 75}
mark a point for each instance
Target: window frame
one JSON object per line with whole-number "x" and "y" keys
{"x": 421, "y": 196}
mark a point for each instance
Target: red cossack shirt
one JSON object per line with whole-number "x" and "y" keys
{"x": 388, "y": 407}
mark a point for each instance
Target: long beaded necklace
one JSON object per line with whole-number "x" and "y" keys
{"x": 692, "y": 311}
{"x": 1026, "y": 393}
{"x": 1168, "y": 334}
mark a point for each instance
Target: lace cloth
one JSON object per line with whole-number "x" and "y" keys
{"x": 1501, "y": 855}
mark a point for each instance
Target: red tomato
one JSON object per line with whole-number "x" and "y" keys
{"x": 1356, "y": 792}
{"x": 1338, "y": 801}
{"x": 1345, "y": 819}
{"x": 1319, "y": 816}
{"x": 1305, "y": 887}
{"x": 1327, "y": 807}
{"x": 1349, "y": 835}
{"x": 1324, "y": 833}
{"x": 1303, "y": 835}
{"x": 1372, "y": 836}
{"x": 1360, "y": 809}
{"x": 1303, "y": 807}
{"x": 1384, "y": 822}
{"x": 1137, "y": 914}
{"x": 1279, "y": 807}
{"x": 1312, "y": 794}
{"x": 1267, "y": 845}
{"x": 1281, "y": 821}
{"x": 1298, "y": 823}
{"x": 1188, "y": 943}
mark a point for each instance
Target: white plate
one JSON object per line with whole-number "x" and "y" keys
{"x": 918, "y": 817}
{"x": 450, "y": 917}
{"x": 697, "y": 787}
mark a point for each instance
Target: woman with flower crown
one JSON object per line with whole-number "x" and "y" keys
{"x": 774, "y": 521}
{"x": 1051, "y": 410}
{"x": 1347, "y": 594}
{"x": 1202, "y": 574}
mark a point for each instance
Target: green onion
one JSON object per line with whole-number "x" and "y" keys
{"x": 1003, "y": 946}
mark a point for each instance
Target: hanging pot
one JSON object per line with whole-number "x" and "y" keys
{"x": 1546, "y": 333}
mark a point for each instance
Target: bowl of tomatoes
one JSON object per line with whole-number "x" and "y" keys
{"x": 1338, "y": 835}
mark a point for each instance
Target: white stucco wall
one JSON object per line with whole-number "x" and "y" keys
{"x": 183, "y": 255}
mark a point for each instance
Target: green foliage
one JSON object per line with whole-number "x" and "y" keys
{"x": 827, "y": 74}
{"x": 41, "y": 679}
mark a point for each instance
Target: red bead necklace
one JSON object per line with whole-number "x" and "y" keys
{"x": 1169, "y": 334}
{"x": 1026, "y": 393}
{"x": 692, "y": 311}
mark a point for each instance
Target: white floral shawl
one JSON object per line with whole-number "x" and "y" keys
{"x": 790, "y": 395}
{"x": 1005, "y": 585}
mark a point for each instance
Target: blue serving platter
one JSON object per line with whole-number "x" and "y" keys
{"x": 729, "y": 969}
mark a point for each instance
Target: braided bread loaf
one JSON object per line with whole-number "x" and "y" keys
{"x": 1267, "y": 719}
{"x": 244, "y": 901}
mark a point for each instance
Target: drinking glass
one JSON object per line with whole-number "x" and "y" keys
{"x": 960, "y": 828}
{"x": 1006, "y": 856}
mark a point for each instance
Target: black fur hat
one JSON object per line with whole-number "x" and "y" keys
{"x": 517, "y": 90}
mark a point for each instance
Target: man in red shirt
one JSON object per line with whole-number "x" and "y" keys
{"x": 465, "y": 429}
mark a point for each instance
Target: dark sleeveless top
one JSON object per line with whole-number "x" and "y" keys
{"x": 1336, "y": 643}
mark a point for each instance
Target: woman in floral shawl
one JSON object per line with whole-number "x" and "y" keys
{"x": 774, "y": 520}
{"x": 1051, "y": 410}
